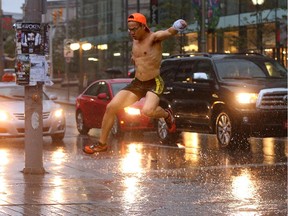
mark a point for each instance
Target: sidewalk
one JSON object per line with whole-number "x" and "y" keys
{"x": 65, "y": 189}
{"x": 65, "y": 95}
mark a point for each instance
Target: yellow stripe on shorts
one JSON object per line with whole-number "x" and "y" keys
{"x": 159, "y": 85}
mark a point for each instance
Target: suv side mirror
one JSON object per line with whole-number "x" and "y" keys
{"x": 200, "y": 75}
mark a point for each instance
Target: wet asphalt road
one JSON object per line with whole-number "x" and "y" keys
{"x": 141, "y": 176}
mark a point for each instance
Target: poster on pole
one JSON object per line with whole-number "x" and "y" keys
{"x": 22, "y": 69}
{"x": 31, "y": 39}
{"x": 32, "y": 48}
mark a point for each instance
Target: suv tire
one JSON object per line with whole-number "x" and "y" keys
{"x": 226, "y": 131}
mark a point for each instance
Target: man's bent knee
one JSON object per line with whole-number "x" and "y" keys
{"x": 148, "y": 112}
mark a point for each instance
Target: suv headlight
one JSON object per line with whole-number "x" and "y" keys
{"x": 246, "y": 98}
{"x": 132, "y": 111}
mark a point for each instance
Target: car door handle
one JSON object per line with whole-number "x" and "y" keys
{"x": 169, "y": 88}
{"x": 190, "y": 89}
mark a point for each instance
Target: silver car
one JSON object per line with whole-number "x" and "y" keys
{"x": 12, "y": 114}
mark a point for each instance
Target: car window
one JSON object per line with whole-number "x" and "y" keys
{"x": 169, "y": 69}
{"x": 185, "y": 71}
{"x": 204, "y": 66}
{"x": 116, "y": 87}
{"x": 275, "y": 69}
{"x": 92, "y": 90}
{"x": 188, "y": 68}
{"x": 238, "y": 68}
{"x": 103, "y": 88}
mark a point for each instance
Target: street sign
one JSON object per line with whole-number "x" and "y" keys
{"x": 68, "y": 53}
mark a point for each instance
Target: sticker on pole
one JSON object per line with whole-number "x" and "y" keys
{"x": 35, "y": 120}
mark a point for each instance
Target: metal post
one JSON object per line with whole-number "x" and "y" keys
{"x": 81, "y": 78}
{"x": 33, "y": 106}
{"x": 138, "y": 6}
{"x": 203, "y": 18}
{"x": 67, "y": 36}
{"x": 1, "y": 42}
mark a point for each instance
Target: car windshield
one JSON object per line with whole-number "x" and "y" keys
{"x": 14, "y": 93}
{"x": 116, "y": 87}
{"x": 245, "y": 69}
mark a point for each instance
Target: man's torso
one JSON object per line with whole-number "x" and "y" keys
{"x": 147, "y": 56}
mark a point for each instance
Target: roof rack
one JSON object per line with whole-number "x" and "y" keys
{"x": 190, "y": 55}
{"x": 212, "y": 54}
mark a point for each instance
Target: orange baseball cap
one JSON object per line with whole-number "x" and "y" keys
{"x": 137, "y": 17}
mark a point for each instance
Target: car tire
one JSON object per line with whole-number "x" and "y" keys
{"x": 58, "y": 137}
{"x": 226, "y": 131}
{"x": 82, "y": 129}
{"x": 115, "y": 130}
{"x": 164, "y": 135}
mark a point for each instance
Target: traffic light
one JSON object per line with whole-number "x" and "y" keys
{"x": 60, "y": 13}
{"x": 54, "y": 17}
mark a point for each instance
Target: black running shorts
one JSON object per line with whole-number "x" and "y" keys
{"x": 140, "y": 88}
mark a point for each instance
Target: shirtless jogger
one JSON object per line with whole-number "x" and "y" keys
{"x": 147, "y": 56}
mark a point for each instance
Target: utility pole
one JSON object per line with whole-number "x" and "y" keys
{"x": 33, "y": 104}
{"x": 1, "y": 41}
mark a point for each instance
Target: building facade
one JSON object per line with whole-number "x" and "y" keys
{"x": 224, "y": 26}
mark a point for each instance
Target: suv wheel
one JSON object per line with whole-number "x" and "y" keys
{"x": 223, "y": 129}
{"x": 227, "y": 133}
{"x": 163, "y": 133}
{"x": 82, "y": 129}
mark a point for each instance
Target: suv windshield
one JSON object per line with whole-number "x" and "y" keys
{"x": 245, "y": 69}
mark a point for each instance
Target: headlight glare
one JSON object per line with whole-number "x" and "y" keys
{"x": 246, "y": 98}
{"x": 3, "y": 116}
{"x": 132, "y": 111}
{"x": 58, "y": 113}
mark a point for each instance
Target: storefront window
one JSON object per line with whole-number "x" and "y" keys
{"x": 230, "y": 41}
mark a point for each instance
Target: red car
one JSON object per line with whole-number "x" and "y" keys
{"x": 91, "y": 106}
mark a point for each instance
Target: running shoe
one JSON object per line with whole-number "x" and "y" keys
{"x": 170, "y": 121}
{"x": 98, "y": 147}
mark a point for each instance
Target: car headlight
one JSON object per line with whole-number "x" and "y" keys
{"x": 4, "y": 116}
{"x": 132, "y": 111}
{"x": 246, "y": 98}
{"x": 58, "y": 113}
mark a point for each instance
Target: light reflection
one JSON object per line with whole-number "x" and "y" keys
{"x": 57, "y": 192}
{"x": 244, "y": 189}
{"x": 132, "y": 190}
{"x": 192, "y": 150}
{"x": 132, "y": 161}
{"x": 131, "y": 165}
{"x": 3, "y": 158}
{"x": 58, "y": 156}
{"x": 3, "y": 183}
{"x": 269, "y": 150}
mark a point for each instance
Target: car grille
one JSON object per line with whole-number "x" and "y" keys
{"x": 22, "y": 130}
{"x": 21, "y": 116}
{"x": 275, "y": 98}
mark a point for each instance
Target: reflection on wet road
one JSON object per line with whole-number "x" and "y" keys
{"x": 140, "y": 176}
{"x": 246, "y": 180}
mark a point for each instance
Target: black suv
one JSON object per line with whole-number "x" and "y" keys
{"x": 234, "y": 96}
